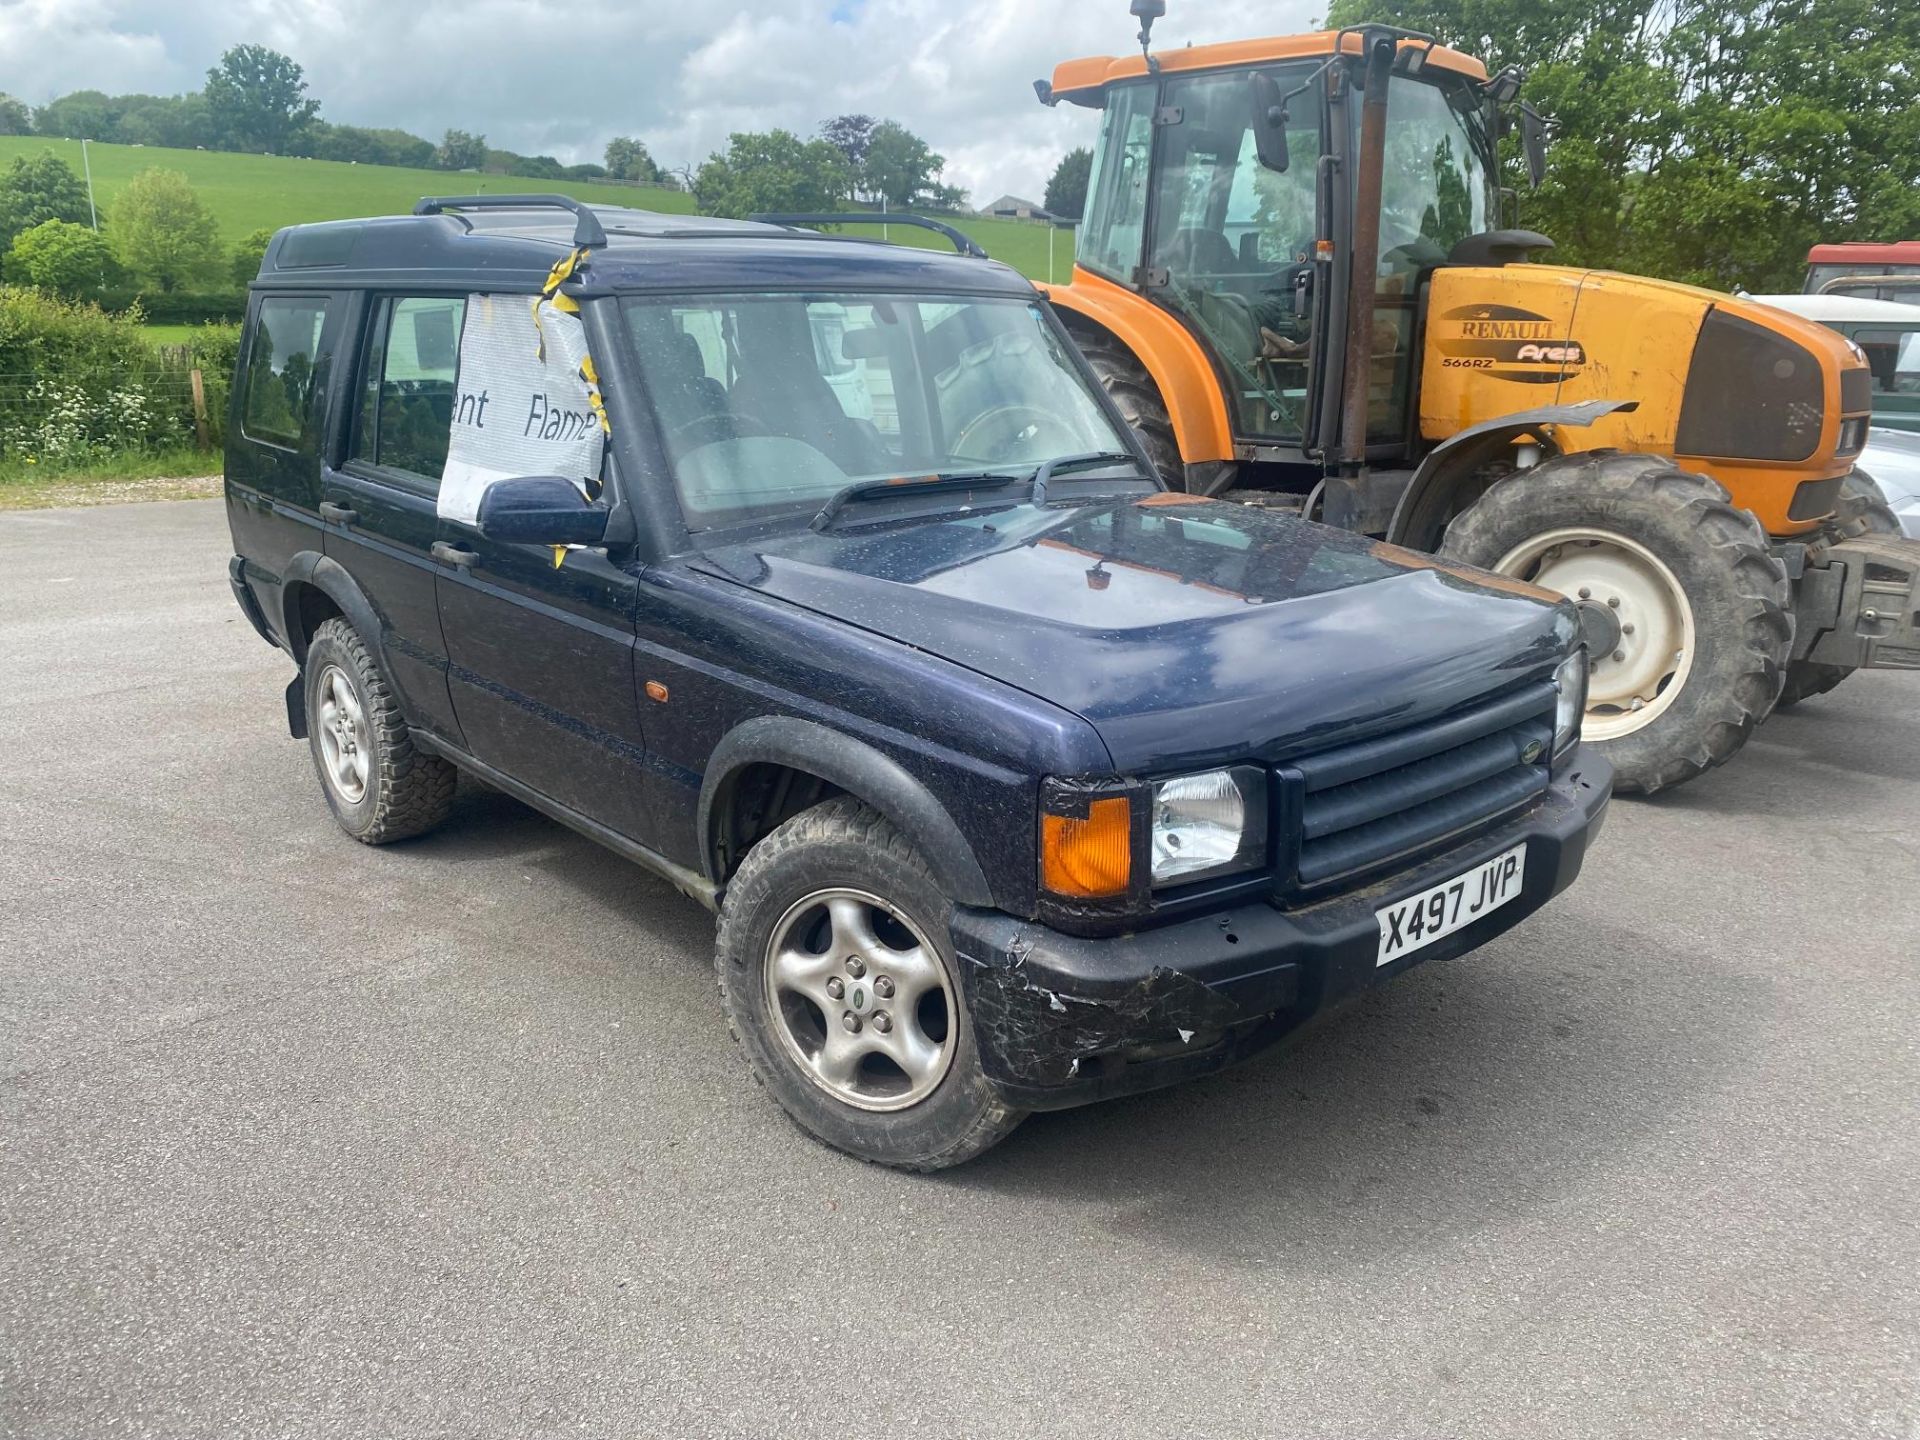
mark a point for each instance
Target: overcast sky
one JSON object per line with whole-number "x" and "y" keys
{"x": 560, "y": 79}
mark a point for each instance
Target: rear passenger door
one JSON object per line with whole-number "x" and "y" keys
{"x": 276, "y": 419}
{"x": 379, "y": 505}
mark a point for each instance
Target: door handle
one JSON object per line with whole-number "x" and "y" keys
{"x": 339, "y": 514}
{"x": 456, "y": 555}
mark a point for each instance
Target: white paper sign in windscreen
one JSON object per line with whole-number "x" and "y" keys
{"x": 517, "y": 413}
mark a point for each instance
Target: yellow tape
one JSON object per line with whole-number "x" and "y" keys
{"x": 550, "y": 294}
{"x": 594, "y": 398}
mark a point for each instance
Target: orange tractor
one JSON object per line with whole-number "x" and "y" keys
{"x": 1292, "y": 278}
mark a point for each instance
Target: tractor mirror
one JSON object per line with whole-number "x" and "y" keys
{"x": 1533, "y": 140}
{"x": 1269, "y": 121}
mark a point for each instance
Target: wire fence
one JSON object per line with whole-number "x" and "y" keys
{"x": 70, "y": 412}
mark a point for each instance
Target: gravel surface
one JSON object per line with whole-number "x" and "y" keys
{"x": 302, "y": 1138}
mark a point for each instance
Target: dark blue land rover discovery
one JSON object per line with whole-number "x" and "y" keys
{"x": 1016, "y": 780}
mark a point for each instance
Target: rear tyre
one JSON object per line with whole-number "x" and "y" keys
{"x": 1138, "y": 399}
{"x": 1701, "y": 606}
{"x": 840, "y": 983}
{"x": 1861, "y": 510}
{"x": 378, "y": 784}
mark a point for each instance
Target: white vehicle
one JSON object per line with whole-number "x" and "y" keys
{"x": 1889, "y": 335}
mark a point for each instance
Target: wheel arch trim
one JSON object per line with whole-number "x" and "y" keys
{"x": 869, "y": 776}
{"x": 311, "y": 570}
{"x": 1419, "y": 519}
{"x": 1168, "y": 353}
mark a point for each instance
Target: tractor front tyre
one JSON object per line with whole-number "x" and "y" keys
{"x": 1697, "y": 610}
{"x": 1138, "y": 400}
{"x": 1861, "y": 510}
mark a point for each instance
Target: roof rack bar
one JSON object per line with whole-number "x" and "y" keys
{"x": 963, "y": 243}
{"x": 587, "y": 232}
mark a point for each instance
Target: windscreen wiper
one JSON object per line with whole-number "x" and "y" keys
{"x": 1046, "y": 472}
{"x": 925, "y": 484}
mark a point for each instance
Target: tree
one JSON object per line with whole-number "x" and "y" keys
{"x": 358, "y": 146}
{"x": 256, "y": 101}
{"x": 537, "y": 167}
{"x": 163, "y": 233}
{"x": 178, "y": 122}
{"x": 773, "y": 171}
{"x": 461, "y": 151}
{"x": 83, "y": 115}
{"x": 1067, "y": 187}
{"x": 39, "y": 189}
{"x": 60, "y": 257}
{"x": 899, "y": 166}
{"x": 851, "y": 135}
{"x": 248, "y": 254}
{"x": 1705, "y": 140}
{"x": 627, "y": 159}
{"x": 15, "y": 119}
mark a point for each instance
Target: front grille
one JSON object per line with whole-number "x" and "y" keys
{"x": 1388, "y": 798}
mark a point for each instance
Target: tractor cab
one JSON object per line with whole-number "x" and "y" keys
{"x": 1223, "y": 193}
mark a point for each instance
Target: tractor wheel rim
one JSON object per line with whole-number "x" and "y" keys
{"x": 862, "y": 1001}
{"x": 345, "y": 752}
{"x": 1638, "y": 681}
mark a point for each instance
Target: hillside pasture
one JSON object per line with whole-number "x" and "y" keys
{"x": 255, "y": 192}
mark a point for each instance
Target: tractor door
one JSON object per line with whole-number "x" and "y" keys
{"x": 1436, "y": 188}
{"x": 1230, "y": 244}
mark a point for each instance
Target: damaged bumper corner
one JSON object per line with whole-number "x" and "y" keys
{"x": 1063, "y": 1020}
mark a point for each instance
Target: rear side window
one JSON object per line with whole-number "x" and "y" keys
{"x": 407, "y": 385}
{"x": 284, "y": 364}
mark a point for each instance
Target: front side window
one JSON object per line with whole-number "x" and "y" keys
{"x": 285, "y": 362}
{"x": 768, "y": 404}
{"x": 407, "y": 385}
{"x": 1893, "y": 358}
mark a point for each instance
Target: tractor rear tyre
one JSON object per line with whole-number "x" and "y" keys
{"x": 1861, "y": 510}
{"x": 1698, "y": 608}
{"x": 1137, "y": 398}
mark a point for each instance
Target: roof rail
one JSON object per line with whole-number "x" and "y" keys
{"x": 587, "y": 232}
{"x": 965, "y": 244}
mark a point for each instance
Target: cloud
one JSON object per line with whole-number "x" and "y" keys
{"x": 542, "y": 77}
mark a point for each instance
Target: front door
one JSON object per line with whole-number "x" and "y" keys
{"x": 543, "y": 672}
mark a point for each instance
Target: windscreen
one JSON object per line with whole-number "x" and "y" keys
{"x": 768, "y": 404}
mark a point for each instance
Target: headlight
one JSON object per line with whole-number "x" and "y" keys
{"x": 1213, "y": 823}
{"x": 1570, "y": 680}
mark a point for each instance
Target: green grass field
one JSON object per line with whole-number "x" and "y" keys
{"x": 254, "y": 192}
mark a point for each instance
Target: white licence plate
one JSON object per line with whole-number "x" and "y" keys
{"x": 1421, "y": 919}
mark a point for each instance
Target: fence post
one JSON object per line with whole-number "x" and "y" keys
{"x": 199, "y": 409}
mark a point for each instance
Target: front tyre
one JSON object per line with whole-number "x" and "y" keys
{"x": 1698, "y": 608}
{"x": 1138, "y": 399}
{"x": 840, "y": 983}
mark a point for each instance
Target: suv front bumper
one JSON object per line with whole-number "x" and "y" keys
{"x": 1062, "y": 1020}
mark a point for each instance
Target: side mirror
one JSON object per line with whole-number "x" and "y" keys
{"x": 1269, "y": 120}
{"x": 1533, "y": 140}
{"x": 541, "y": 510}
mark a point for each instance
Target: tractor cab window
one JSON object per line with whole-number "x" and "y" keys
{"x": 1233, "y": 242}
{"x": 1116, "y": 218}
{"x": 1437, "y": 187}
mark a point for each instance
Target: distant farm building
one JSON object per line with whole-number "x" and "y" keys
{"x": 1012, "y": 207}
